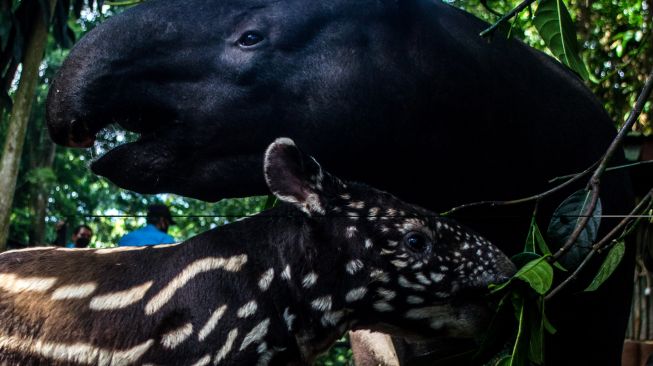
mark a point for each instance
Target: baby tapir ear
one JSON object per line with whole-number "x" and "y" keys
{"x": 293, "y": 176}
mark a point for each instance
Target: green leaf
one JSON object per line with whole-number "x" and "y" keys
{"x": 523, "y": 258}
{"x": 538, "y": 273}
{"x": 536, "y": 343}
{"x": 557, "y": 29}
{"x": 536, "y": 240}
{"x": 612, "y": 260}
{"x": 41, "y": 176}
{"x": 530, "y": 238}
{"x": 547, "y": 324}
{"x": 497, "y": 332}
{"x": 270, "y": 202}
{"x": 520, "y": 348}
{"x": 504, "y": 361}
{"x": 564, "y": 221}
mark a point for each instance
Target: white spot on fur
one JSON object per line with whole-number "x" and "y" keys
{"x": 256, "y": 334}
{"x": 399, "y": 263}
{"x": 392, "y": 243}
{"x": 382, "y": 306}
{"x": 403, "y": 282}
{"x": 266, "y": 279}
{"x": 74, "y": 291}
{"x": 351, "y": 231}
{"x": 436, "y": 277}
{"x": 322, "y": 303}
{"x": 420, "y": 313}
{"x": 75, "y": 353}
{"x": 289, "y": 318}
{"x": 380, "y": 276}
{"x": 368, "y": 243}
{"x": 231, "y": 264}
{"x": 353, "y": 216}
{"x": 313, "y": 204}
{"x": 345, "y": 196}
{"x": 226, "y": 347}
{"x": 332, "y": 317}
{"x": 387, "y": 251}
{"x": 119, "y": 299}
{"x": 203, "y": 361}
{"x": 422, "y": 279}
{"x": 176, "y": 337}
{"x": 265, "y": 358}
{"x": 9, "y": 282}
{"x": 286, "y": 273}
{"x": 354, "y": 266}
{"x": 356, "y": 204}
{"x": 437, "y": 324}
{"x": 210, "y": 324}
{"x": 386, "y": 294}
{"x": 309, "y": 280}
{"x": 247, "y": 310}
{"x": 355, "y": 294}
{"x": 414, "y": 300}
{"x": 373, "y": 213}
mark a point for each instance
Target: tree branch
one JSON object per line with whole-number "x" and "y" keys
{"x": 506, "y": 17}
{"x": 536, "y": 197}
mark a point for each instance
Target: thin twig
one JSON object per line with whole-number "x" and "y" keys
{"x": 642, "y": 205}
{"x": 571, "y": 277}
{"x": 506, "y": 17}
{"x": 612, "y": 168}
{"x": 536, "y": 197}
{"x": 489, "y": 9}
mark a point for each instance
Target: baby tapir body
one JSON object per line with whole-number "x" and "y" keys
{"x": 276, "y": 288}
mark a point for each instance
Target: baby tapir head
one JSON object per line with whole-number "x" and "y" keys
{"x": 382, "y": 263}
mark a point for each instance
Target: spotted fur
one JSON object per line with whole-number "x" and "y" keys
{"x": 277, "y": 288}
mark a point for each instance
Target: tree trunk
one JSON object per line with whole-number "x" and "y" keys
{"x": 39, "y": 194}
{"x": 15, "y": 139}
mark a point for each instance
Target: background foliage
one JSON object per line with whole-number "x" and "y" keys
{"x": 614, "y": 39}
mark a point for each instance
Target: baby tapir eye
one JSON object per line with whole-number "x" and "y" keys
{"x": 250, "y": 38}
{"x": 418, "y": 242}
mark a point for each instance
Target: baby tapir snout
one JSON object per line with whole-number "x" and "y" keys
{"x": 478, "y": 263}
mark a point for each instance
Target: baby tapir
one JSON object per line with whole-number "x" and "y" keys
{"x": 276, "y": 288}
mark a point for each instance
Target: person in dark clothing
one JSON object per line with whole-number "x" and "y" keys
{"x": 159, "y": 220}
{"x": 81, "y": 237}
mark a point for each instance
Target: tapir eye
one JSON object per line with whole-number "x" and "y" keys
{"x": 417, "y": 242}
{"x": 250, "y": 38}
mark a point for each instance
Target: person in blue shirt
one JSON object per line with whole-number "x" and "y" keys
{"x": 155, "y": 232}
{"x": 81, "y": 237}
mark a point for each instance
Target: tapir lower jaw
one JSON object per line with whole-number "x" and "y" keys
{"x": 149, "y": 167}
{"x": 467, "y": 321}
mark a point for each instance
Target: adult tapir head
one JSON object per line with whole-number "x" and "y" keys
{"x": 208, "y": 84}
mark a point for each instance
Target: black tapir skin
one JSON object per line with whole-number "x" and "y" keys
{"x": 402, "y": 94}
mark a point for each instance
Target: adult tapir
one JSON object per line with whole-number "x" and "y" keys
{"x": 401, "y": 94}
